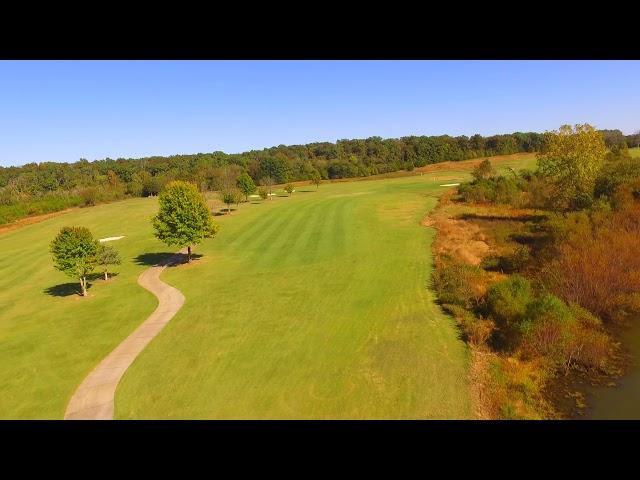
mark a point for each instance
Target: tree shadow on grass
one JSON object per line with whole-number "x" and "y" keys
{"x": 223, "y": 212}
{"x": 160, "y": 258}
{"x": 65, "y": 289}
{"x": 505, "y": 218}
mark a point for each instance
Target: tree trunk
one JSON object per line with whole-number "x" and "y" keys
{"x": 106, "y": 275}
{"x": 189, "y": 254}
{"x": 83, "y": 285}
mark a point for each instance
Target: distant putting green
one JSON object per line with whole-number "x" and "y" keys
{"x": 313, "y": 306}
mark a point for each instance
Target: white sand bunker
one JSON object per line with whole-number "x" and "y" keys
{"x": 450, "y": 185}
{"x": 109, "y": 239}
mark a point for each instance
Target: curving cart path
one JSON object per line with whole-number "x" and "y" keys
{"x": 93, "y": 400}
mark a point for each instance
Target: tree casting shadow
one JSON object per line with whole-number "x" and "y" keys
{"x": 223, "y": 212}
{"x": 65, "y": 289}
{"x": 160, "y": 258}
{"x": 498, "y": 218}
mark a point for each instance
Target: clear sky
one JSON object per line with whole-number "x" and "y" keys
{"x": 63, "y": 111}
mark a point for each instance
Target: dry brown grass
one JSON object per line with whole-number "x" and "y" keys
{"x": 458, "y": 239}
{"x": 501, "y": 387}
{"x": 468, "y": 165}
{"x": 483, "y": 402}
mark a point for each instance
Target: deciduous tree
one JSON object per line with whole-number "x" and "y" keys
{"x": 107, "y": 256}
{"x": 571, "y": 159}
{"x": 267, "y": 182}
{"x": 289, "y": 188}
{"x": 246, "y": 185}
{"x": 74, "y": 252}
{"x": 316, "y": 179}
{"x": 184, "y": 219}
{"x": 484, "y": 170}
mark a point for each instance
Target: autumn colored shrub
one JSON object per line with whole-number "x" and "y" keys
{"x": 546, "y": 327}
{"x": 475, "y": 330}
{"x": 601, "y": 273}
{"x": 506, "y": 304}
{"x": 89, "y": 196}
{"x": 455, "y": 284}
{"x": 500, "y": 190}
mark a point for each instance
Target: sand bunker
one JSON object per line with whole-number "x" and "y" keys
{"x": 109, "y": 239}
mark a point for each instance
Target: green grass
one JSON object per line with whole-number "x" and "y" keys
{"x": 635, "y": 152}
{"x": 50, "y": 338}
{"x": 314, "y": 306}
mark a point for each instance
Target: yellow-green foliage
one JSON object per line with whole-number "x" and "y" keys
{"x": 572, "y": 158}
{"x": 183, "y": 219}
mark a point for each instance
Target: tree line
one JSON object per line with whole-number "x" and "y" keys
{"x": 38, "y": 188}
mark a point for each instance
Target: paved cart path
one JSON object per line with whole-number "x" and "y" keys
{"x": 94, "y": 398}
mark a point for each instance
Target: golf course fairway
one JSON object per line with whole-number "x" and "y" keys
{"x": 313, "y": 306}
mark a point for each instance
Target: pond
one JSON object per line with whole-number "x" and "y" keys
{"x": 621, "y": 402}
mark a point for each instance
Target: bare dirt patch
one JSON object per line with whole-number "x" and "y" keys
{"x": 459, "y": 239}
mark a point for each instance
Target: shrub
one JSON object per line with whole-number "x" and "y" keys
{"x": 456, "y": 284}
{"x": 475, "y": 330}
{"x": 263, "y": 192}
{"x": 539, "y": 193}
{"x": 614, "y": 174}
{"x": 567, "y": 335}
{"x": 607, "y": 284}
{"x": 502, "y": 190}
{"x": 516, "y": 261}
{"x": 289, "y": 188}
{"x": 89, "y": 196}
{"x": 546, "y": 327}
{"x": 590, "y": 348}
{"x": 484, "y": 170}
{"x": 506, "y": 304}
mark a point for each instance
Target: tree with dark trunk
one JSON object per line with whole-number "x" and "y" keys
{"x": 74, "y": 252}
{"x": 184, "y": 219}
{"x": 107, "y": 255}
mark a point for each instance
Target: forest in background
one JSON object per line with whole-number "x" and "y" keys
{"x": 39, "y": 188}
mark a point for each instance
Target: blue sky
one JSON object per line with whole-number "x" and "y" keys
{"x": 63, "y": 111}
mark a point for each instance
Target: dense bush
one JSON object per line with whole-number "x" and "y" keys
{"x": 456, "y": 284}
{"x": 500, "y": 190}
{"x": 513, "y": 262}
{"x": 506, "y": 303}
{"x": 44, "y": 204}
{"x": 545, "y": 327}
{"x": 475, "y": 330}
{"x": 616, "y": 172}
{"x": 89, "y": 196}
